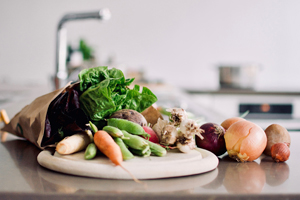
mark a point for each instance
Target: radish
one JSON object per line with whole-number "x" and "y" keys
{"x": 153, "y": 136}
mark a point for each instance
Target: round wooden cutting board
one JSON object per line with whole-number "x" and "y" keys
{"x": 174, "y": 164}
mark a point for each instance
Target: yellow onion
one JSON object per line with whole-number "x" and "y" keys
{"x": 228, "y": 122}
{"x": 245, "y": 141}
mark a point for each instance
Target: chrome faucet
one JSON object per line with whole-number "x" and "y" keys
{"x": 61, "y": 74}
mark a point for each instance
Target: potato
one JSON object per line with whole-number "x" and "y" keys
{"x": 130, "y": 115}
{"x": 275, "y": 134}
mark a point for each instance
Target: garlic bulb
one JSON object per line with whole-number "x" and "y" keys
{"x": 185, "y": 145}
{"x": 159, "y": 126}
{"x": 178, "y": 131}
{"x": 177, "y": 115}
{"x": 169, "y": 135}
{"x": 190, "y": 128}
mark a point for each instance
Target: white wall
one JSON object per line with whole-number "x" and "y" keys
{"x": 178, "y": 41}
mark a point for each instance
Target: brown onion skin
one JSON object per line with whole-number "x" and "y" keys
{"x": 245, "y": 141}
{"x": 228, "y": 122}
{"x": 280, "y": 152}
{"x": 213, "y": 138}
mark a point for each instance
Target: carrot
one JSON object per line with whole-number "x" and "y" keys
{"x": 106, "y": 144}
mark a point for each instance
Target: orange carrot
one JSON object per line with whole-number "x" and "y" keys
{"x": 106, "y": 144}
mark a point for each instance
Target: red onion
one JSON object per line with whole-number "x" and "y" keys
{"x": 213, "y": 138}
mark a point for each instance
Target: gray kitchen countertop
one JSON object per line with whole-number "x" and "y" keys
{"x": 21, "y": 177}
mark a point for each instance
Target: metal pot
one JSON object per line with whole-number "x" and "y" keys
{"x": 238, "y": 76}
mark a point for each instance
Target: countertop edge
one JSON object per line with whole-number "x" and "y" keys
{"x": 145, "y": 196}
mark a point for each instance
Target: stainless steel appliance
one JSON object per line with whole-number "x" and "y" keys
{"x": 265, "y": 107}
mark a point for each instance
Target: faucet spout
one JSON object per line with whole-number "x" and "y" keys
{"x": 61, "y": 74}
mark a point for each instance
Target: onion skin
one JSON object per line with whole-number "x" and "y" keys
{"x": 245, "y": 141}
{"x": 213, "y": 138}
{"x": 280, "y": 152}
{"x": 228, "y": 122}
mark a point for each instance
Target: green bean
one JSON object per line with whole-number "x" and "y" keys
{"x": 90, "y": 151}
{"x": 135, "y": 142}
{"x": 126, "y": 154}
{"x": 113, "y": 131}
{"x": 128, "y": 126}
{"x": 156, "y": 149}
{"x": 140, "y": 153}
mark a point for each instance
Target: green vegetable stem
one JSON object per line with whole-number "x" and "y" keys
{"x": 90, "y": 151}
{"x": 93, "y": 127}
{"x": 135, "y": 142}
{"x": 128, "y": 126}
{"x": 126, "y": 154}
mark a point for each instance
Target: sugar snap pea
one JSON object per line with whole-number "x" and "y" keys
{"x": 126, "y": 154}
{"x": 135, "y": 142}
{"x": 128, "y": 126}
{"x": 156, "y": 149}
{"x": 140, "y": 153}
{"x": 113, "y": 131}
{"x": 90, "y": 151}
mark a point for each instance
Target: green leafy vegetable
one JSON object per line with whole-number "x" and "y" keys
{"x": 106, "y": 91}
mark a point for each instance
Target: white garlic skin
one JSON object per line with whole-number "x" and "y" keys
{"x": 159, "y": 126}
{"x": 183, "y": 148}
{"x": 169, "y": 135}
{"x": 177, "y": 115}
{"x": 187, "y": 146}
{"x": 189, "y": 128}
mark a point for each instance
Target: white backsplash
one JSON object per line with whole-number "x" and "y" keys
{"x": 180, "y": 42}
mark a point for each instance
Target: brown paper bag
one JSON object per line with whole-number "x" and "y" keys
{"x": 29, "y": 123}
